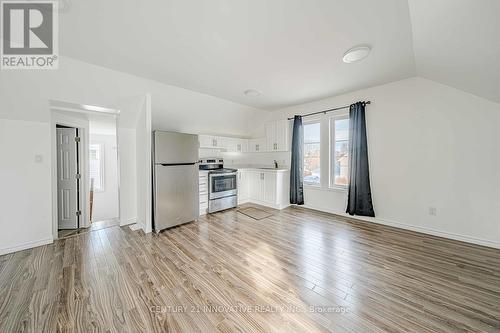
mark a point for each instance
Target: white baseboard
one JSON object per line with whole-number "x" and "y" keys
{"x": 428, "y": 231}
{"x": 25, "y": 246}
{"x": 135, "y": 227}
{"x": 128, "y": 222}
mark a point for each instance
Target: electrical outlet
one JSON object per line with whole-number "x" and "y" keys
{"x": 433, "y": 211}
{"x": 38, "y": 158}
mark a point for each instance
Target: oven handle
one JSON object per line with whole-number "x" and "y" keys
{"x": 222, "y": 174}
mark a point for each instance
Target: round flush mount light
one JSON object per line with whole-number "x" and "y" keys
{"x": 357, "y": 53}
{"x": 252, "y": 93}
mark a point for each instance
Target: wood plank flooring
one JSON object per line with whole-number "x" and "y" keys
{"x": 296, "y": 271}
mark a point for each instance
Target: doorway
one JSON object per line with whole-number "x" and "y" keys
{"x": 86, "y": 170}
{"x": 103, "y": 172}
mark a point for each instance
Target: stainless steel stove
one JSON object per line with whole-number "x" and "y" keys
{"x": 222, "y": 185}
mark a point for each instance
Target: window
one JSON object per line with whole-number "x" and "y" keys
{"x": 339, "y": 128}
{"x": 312, "y": 143}
{"x": 96, "y": 158}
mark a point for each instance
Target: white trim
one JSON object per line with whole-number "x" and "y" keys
{"x": 128, "y": 222}
{"x": 423, "y": 230}
{"x": 28, "y": 245}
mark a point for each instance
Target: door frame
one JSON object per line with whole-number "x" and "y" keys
{"x": 58, "y": 118}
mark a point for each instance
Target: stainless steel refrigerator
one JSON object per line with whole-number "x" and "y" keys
{"x": 175, "y": 185}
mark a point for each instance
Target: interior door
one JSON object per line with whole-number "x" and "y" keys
{"x": 67, "y": 179}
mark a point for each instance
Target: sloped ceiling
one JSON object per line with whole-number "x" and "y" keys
{"x": 291, "y": 50}
{"x": 457, "y": 42}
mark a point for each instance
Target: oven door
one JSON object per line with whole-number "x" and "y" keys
{"x": 222, "y": 185}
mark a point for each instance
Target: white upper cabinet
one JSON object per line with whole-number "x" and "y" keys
{"x": 206, "y": 141}
{"x": 277, "y": 135}
{"x": 257, "y": 145}
{"x": 211, "y": 141}
{"x": 276, "y": 139}
{"x": 236, "y": 145}
{"x": 220, "y": 142}
{"x": 241, "y": 145}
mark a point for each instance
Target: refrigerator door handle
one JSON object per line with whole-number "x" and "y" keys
{"x": 175, "y": 164}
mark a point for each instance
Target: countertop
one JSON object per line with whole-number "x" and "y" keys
{"x": 258, "y": 168}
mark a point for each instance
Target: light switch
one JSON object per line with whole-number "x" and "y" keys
{"x": 38, "y": 158}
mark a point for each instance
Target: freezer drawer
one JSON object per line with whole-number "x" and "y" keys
{"x": 176, "y": 198}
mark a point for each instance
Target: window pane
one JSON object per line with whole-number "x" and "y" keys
{"x": 312, "y": 153}
{"x": 341, "y": 152}
{"x": 96, "y": 172}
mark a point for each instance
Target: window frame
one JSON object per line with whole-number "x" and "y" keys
{"x": 311, "y": 122}
{"x": 101, "y": 166}
{"x": 332, "y": 142}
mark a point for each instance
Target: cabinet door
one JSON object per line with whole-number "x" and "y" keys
{"x": 219, "y": 142}
{"x": 205, "y": 140}
{"x": 254, "y": 183}
{"x": 228, "y": 143}
{"x": 240, "y": 145}
{"x": 271, "y": 136}
{"x": 243, "y": 185}
{"x": 282, "y": 135}
{"x": 269, "y": 187}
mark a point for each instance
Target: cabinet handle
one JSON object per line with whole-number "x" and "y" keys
{"x": 256, "y": 147}
{"x": 215, "y": 140}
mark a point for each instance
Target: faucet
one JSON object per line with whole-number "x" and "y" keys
{"x": 275, "y": 164}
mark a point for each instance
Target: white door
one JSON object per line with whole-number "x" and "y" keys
{"x": 67, "y": 179}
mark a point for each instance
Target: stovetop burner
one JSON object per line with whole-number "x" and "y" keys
{"x": 223, "y": 170}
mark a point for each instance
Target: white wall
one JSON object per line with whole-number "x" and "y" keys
{"x": 128, "y": 175}
{"x": 143, "y": 165}
{"x": 429, "y": 145}
{"x": 105, "y": 205}
{"x": 25, "y": 190}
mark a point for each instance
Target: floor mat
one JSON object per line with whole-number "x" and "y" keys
{"x": 255, "y": 213}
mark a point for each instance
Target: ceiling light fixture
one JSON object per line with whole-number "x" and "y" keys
{"x": 252, "y": 93}
{"x": 357, "y": 53}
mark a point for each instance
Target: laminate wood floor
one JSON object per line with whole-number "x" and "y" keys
{"x": 296, "y": 271}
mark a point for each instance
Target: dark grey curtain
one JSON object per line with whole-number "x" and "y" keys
{"x": 297, "y": 167}
{"x": 359, "y": 200}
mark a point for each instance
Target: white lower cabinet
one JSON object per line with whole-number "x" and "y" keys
{"x": 267, "y": 188}
{"x": 203, "y": 183}
{"x": 243, "y": 187}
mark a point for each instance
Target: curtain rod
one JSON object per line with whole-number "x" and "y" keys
{"x": 329, "y": 110}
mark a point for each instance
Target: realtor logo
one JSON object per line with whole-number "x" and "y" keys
{"x": 29, "y": 35}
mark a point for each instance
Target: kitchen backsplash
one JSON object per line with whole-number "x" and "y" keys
{"x": 261, "y": 159}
